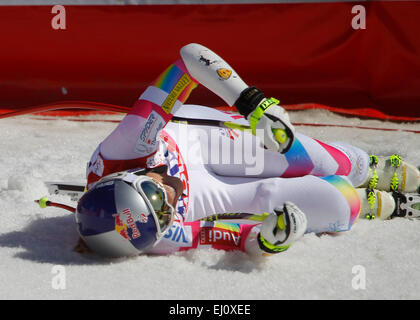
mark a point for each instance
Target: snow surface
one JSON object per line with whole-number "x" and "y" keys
{"x": 34, "y": 240}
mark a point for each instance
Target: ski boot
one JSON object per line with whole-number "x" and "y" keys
{"x": 387, "y": 205}
{"x": 392, "y": 174}
{"x": 375, "y": 204}
{"x": 407, "y": 205}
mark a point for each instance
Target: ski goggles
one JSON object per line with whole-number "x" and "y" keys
{"x": 155, "y": 197}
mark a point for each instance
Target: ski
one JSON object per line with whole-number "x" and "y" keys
{"x": 73, "y": 190}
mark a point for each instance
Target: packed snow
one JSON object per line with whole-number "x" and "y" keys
{"x": 37, "y": 261}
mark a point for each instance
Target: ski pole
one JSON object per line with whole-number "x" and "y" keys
{"x": 44, "y": 202}
{"x": 239, "y": 215}
{"x": 279, "y": 134}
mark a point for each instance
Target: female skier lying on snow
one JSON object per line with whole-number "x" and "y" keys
{"x": 154, "y": 192}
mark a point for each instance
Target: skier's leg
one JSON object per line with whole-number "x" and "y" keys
{"x": 234, "y": 153}
{"x": 331, "y": 204}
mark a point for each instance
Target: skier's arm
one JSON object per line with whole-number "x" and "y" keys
{"x": 275, "y": 234}
{"x": 268, "y": 120}
{"x": 205, "y": 234}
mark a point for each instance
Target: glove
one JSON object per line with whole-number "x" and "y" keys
{"x": 271, "y": 124}
{"x": 268, "y": 121}
{"x": 282, "y": 228}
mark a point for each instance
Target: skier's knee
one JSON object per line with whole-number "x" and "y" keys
{"x": 348, "y": 195}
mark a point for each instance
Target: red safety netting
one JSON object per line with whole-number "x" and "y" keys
{"x": 80, "y": 108}
{"x": 306, "y": 53}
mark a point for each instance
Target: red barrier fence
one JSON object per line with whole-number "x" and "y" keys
{"x": 300, "y": 53}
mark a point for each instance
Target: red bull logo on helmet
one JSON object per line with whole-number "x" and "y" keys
{"x": 125, "y": 220}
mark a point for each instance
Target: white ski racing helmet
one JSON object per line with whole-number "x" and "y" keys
{"x": 124, "y": 214}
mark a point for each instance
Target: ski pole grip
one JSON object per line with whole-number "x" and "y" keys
{"x": 43, "y": 202}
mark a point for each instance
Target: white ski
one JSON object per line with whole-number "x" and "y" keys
{"x": 74, "y": 190}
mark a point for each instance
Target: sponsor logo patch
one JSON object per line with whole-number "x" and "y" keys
{"x": 175, "y": 93}
{"x": 220, "y": 237}
{"x": 181, "y": 236}
{"x": 126, "y": 220}
{"x": 147, "y": 141}
{"x": 224, "y": 73}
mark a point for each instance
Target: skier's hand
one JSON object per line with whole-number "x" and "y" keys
{"x": 281, "y": 228}
{"x": 270, "y": 122}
